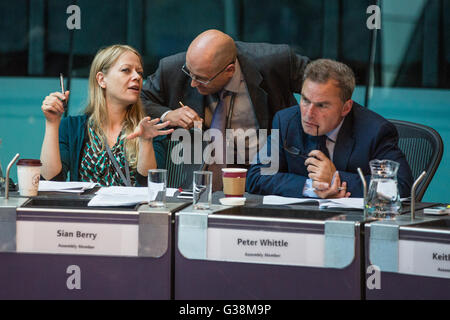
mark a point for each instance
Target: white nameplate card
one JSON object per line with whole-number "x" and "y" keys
{"x": 284, "y": 248}
{"x": 424, "y": 258}
{"x": 77, "y": 238}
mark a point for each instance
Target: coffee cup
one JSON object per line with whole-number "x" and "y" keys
{"x": 234, "y": 181}
{"x": 28, "y": 174}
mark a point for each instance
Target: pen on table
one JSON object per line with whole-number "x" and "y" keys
{"x": 61, "y": 81}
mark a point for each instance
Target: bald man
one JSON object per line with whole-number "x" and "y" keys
{"x": 269, "y": 75}
{"x": 261, "y": 78}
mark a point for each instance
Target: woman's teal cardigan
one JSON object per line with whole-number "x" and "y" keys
{"x": 72, "y": 132}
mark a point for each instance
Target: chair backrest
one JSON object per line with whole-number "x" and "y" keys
{"x": 180, "y": 174}
{"x": 423, "y": 148}
{"x": 175, "y": 174}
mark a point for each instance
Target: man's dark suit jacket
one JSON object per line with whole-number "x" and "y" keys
{"x": 364, "y": 136}
{"x": 272, "y": 73}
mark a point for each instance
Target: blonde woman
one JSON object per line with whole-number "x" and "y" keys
{"x": 112, "y": 143}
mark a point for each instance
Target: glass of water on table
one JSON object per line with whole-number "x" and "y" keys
{"x": 202, "y": 190}
{"x": 157, "y": 184}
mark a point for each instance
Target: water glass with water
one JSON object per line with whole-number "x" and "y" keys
{"x": 202, "y": 190}
{"x": 157, "y": 184}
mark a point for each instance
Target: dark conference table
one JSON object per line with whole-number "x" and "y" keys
{"x": 59, "y": 248}
{"x": 54, "y": 247}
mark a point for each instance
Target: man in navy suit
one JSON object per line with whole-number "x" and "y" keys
{"x": 323, "y": 141}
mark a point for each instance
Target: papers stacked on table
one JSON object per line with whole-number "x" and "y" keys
{"x": 123, "y": 196}
{"x": 350, "y": 203}
{"x": 119, "y": 196}
{"x": 67, "y": 186}
{"x": 278, "y": 200}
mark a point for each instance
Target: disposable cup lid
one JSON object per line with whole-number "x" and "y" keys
{"x": 234, "y": 170}
{"x": 29, "y": 162}
{"x": 234, "y": 173}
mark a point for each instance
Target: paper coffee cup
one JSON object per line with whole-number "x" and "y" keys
{"x": 28, "y": 174}
{"x": 234, "y": 181}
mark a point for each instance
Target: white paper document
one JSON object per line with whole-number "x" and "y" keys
{"x": 123, "y": 196}
{"x": 65, "y": 186}
{"x": 351, "y": 203}
{"x": 119, "y": 196}
{"x": 279, "y": 200}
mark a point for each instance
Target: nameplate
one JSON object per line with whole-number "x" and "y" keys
{"x": 77, "y": 238}
{"x": 284, "y": 248}
{"x": 429, "y": 259}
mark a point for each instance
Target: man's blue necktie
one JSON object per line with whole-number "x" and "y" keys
{"x": 323, "y": 145}
{"x": 219, "y": 118}
{"x": 316, "y": 143}
{"x": 218, "y": 122}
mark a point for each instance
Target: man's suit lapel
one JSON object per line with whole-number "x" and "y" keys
{"x": 258, "y": 95}
{"x": 344, "y": 144}
{"x": 295, "y": 137}
{"x": 294, "y": 133}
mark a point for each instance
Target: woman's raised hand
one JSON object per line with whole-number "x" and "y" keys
{"x": 148, "y": 129}
{"x": 53, "y": 106}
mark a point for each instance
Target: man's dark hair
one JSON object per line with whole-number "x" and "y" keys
{"x": 322, "y": 70}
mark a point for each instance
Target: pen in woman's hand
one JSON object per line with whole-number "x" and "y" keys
{"x": 61, "y": 81}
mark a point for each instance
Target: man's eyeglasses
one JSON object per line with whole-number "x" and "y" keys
{"x": 201, "y": 79}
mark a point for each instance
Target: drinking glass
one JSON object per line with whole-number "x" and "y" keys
{"x": 202, "y": 189}
{"x": 157, "y": 183}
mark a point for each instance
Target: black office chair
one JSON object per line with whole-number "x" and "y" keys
{"x": 180, "y": 174}
{"x": 175, "y": 175}
{"x": 423, "y": 148}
